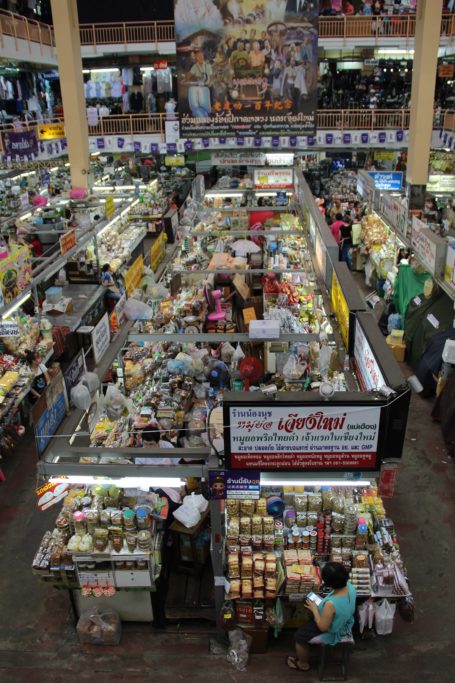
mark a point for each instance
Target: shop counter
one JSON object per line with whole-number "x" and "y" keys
{"x": 87, "y": 302}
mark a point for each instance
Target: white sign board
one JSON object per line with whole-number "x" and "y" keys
{"x": 231, "y": 158}
{"x": 394, "y": 212}
{"x": 273, "y": 437}
{"x": 101, "y": 338}
{"x": 273, "y": 178}
{"x": 9, "y": 329}
{"x": 368, "y": 371}
{"x": 430, "y": 249}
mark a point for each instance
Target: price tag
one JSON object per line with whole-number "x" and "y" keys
{"x": 434, "y": 321}
{"x": 417, "y": 300}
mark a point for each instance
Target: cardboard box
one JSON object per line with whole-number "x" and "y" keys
{"x": 398, "y": 348}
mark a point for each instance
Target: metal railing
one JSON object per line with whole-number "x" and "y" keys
{"x": 127, "y": 32}
{"x": 154, "y": 32}
{"x": 327, "y": 119}
{"x": 21, "y": 28}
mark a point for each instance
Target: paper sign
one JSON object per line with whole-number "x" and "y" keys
{"x": 264, "y": 329}
{"x": 234, "y": 484}
{"x": 434, "y": 321}
{"x": 241, "y": 286}
{"x": 50, "y": 494}
{"x": 101, "y": 337}
{"x": 67, "y": 241}
{"x": 9, "y": 329}
{"x": 417, "y": 300}
{"x": 109, "y": 206}
{"x": 134, "y": 275}
{"x": 51, "y": 131}
{"x": 249, "y": 314}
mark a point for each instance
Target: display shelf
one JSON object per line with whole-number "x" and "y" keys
{"x": 446, "y": 287}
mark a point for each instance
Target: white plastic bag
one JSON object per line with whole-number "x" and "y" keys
{"x": 80, "y": 396}
{"x": 91, "y": 381}
{"x": 137, "y": 310}
{"x": 366, "y": 615}
{"x": 188, "y": 513}
{"x": 200, "y": 502}
{"x": 114, "y": 402}
{"x": 238, "y": 354}
{"x": 384, "y": 614}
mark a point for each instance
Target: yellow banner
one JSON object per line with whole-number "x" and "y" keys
{"x": 158, "y": 251}
{"x": 384, "y": 155}
{"x": 134, "y": 275}
{"x": 177, "y": 160}
{"x": 51, "y": 131}
{"x": 109, "y": 206}
{"x": 340, "y": 308}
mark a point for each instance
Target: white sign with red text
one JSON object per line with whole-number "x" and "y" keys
{"x": 304, "y": 437}
{"x": 273, "y": 178}
{"x": 368, "y": 371}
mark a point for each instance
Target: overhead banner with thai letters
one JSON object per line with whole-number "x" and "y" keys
{"x": 247, "y": 68}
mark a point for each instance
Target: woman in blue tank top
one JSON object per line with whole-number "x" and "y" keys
{"x": 332, "y": 619}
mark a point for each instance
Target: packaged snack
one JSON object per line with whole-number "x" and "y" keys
{"x": 261, "y": 507}
{"x": 256, "y": 525}
{"x": 233, "y": 528}
{"x": 247, "y": 508}
{"x": 268, "y": 525}
{"x": 245, "y": 525}
{"x": 233, "y": 507}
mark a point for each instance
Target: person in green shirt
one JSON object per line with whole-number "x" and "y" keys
{"x": 331, "y": 620}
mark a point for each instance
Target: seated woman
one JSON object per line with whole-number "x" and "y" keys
{"x": 331, "y": 620}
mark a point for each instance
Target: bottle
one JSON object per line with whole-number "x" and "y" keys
{"x": 346, "y": 363}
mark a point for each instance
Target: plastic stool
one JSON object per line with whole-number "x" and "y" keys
{"x": 345, "y": 644}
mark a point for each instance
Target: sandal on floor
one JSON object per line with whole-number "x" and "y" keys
{"x": 293, "y": 664}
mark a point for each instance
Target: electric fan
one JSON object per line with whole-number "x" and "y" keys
{"x": 251, "y": 370}
{"x": 218, "y": 374}
{"x": 213, "y": 298}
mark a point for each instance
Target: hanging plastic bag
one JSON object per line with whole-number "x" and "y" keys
{"x": 384, "y": 614}
{"x": 238, "y": 354}
{"x": 200, "y": 502}
{"x": 227, "y": 352}
{"x": 115, "y": 402}
{"x": 80, "y": 396}
{"x": 137, "y": 310}
{"x": 91, "y": 381}
{"x": 366, "y": 615}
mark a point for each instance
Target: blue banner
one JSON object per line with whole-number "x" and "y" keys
{"x": 234, "y": 484}
{"x": 387, "y": 181}
{"x": 49, "y": 422}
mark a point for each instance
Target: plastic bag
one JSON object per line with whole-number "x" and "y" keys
{"x": 91, "y": 381}
{"x": 239, "y": 649}
{"x": 114, "y": 402}
{"x": 200, "y": 502}
{"x": 99, "y": 626}
{"x": 384, "y": 614}
{"x": 238, "y": 354}
{"x": 227, "y": 352}
{"x": 137, "y": 310}
{"x": 366, "y": 613}
{"x": 406, "y": 608}
{"x": 188, "y": 513}
{"x": 80, "y": 396}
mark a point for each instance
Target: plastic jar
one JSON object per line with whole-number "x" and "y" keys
{"x": 101, "y": 539}
{"x": 143, "y": 520}
{"x": 80, "y": 526}
{"x": 129, "y": 519}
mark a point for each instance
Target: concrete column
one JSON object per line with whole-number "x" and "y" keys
{"x": 66, "y": 28}
{"x": 428, "y": 27}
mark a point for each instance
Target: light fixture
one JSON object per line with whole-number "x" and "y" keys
{"x": 100, "y": 71}
{"x": 121, "y": 482}
{"x": 17, "y": 305}
{"x": 147, "y": 68}
{"x": 95, "y": 154}
{"x": 275, "y": 479}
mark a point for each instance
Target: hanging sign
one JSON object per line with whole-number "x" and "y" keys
{"x": 67, "y": 241}
{"x": 175, "y": 160}
{"x": 232, "y": 95}
{"x": 273, "y": 178}
{"x": 15, "y": 274}
{"x": 51, "y": 493}
{"x": 430, "y": 249}
{"x": 233, "y": 158}
{"x": 387, "y": 181}
{"x": 134, "y": 275}
{"x": 158, "y": 251}
{"x": 394, "y": 212}
{"x": 20, "y": 143}
{"x": 49, "y": 411}
{"x": 340, "y": 308}
{"x": 51, "y": 131}
{"x": 109, "y": 206}
{"x": 368, "y": 371}
{"x": 74, "y": 371}
{"x": 300, "y": 437}
{"x": 101, "y": 338}
{"x": 234, "y": 484}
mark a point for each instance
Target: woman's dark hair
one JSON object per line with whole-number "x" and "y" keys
{"x": 339, "y": 216}
{"x": 106, "y": 267}
{"x": 335, "y": 575}
{"x": 30, "y": 356}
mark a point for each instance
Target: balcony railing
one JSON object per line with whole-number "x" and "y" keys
{"x": 154, "y": 32}
{"x": 327, "y": 119}
{"x": 21, "y": 28}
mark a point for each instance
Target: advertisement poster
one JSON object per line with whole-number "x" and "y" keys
{"x": 333, "y": 437}
{"x": 15, "y": 274}
{"x": 134, "y": 275}
{"x": 234, "y": 484}
{"x": 273, "y": 178}
{"x": 67, "y": 241}
{"x": 20, "y": 144}
{"x": 387, "y": 181}
{"x": 49, "y": 411}
{"x": 246, "y": 68}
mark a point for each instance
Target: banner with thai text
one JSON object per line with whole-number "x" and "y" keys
{"x": 246, "y": 68}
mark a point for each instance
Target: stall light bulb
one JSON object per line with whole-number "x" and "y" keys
{"x": 122, "y": 482}
{"x": 286, "y": 481}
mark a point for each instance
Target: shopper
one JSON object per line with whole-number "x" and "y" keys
{"x": 41, "y": 376}
{"x": 336, "y": 226}
{"x": 108, "y": 282}
{"x": 331, "y": 620}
